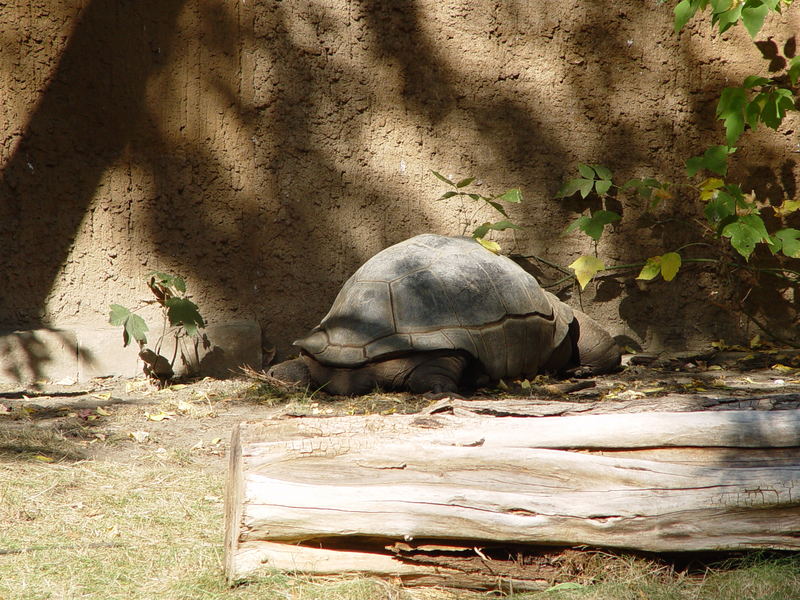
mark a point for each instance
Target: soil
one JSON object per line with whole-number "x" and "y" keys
{"x": 126, "y": 421}
{"x": 123, "y": 420}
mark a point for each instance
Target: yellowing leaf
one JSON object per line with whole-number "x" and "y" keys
{"x": 43, "y": 458}
{"x": 102, "y": 411}
{"x": 585, "y": 268}
{"x": 216, "y": 441}
{"x": 650, "y": 269}
{"x": 783, "y": 368}
{"x": 788, "y": 207}
{"x": 177, "y": 386}
{"x": 489, "y": 245}
{"x": 670, "y": 263}
{"x": 160, "y": 416}
{"x": 709, "y": 187}
{"x": 103, "y": 396}
{"x": 662, "y": 194}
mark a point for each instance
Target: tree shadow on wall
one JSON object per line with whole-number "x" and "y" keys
{"x": 90, "y": 110}
{"x": 31, "y": 356}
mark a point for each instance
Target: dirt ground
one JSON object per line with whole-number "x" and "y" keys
{"x": 122, "y": 420}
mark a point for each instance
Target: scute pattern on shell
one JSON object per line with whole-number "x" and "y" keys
{"x": 434, "y": 293}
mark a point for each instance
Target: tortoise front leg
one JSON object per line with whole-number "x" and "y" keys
{"x": 437, "y": 373}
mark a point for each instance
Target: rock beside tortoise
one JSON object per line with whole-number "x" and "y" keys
{"x": 436, "y": 313}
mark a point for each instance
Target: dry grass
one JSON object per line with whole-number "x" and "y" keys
{"x": 145, "y": 521}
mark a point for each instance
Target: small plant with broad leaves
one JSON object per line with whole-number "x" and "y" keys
{"x": 497, "y": 203}
{"x": 730, "y": 213}
{"x": 181, "y": 319}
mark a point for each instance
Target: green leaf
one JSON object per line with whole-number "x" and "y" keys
{"x": 752, "y": 112}
{"x": 595, "y": 225}
{"x": 643, "y": 187}
{"x": 789, "y": 242}
{"x": 586, "y": 171}
{"x": 181, "y": 311}
{"x": 683, "y": 12}
{"x": 585, "y": 268}
{"x": 755, "y": 81}
{"x": 584, "y": 186}
{"x": 727, "y": 18}
{"x": 735, "y": 191}
{"x": 603, "y": 172}
{"x": 715, "y": 159}
{"x": 443, "y": 178}
{"x": 602, "y": 186}
{"x": 465, "y": 182}
{"x": 730, "y": 108}
{"x": 480, "y": 231}
{"x": 499, "y": 226}
{"x": 670, "y": 263}
{"x": 513, "y": 196}
{"x": 180, "y": 284}
{"x": 579, "y": 223}
{"x": 503, "y": 225}
{"x": 118, "y": 314}
{"x": 447, "y": 195}
{"x": 161, "y": 277}
{"x": 757, "y": 224}
{"x": 605, "y": 216}
{"x": 794, "y": 69}
{"x": 753, "y": 15}
{"x": 745, "y": 233}
{"x": 779, "y": 101}
{"x": 651, "y": 269}
{"x": 498, "y": 207}
{"x": 135, "y": 328}
{"x": 719, "y": 208}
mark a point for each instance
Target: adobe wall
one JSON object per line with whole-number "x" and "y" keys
{"x": 265, "y": 149}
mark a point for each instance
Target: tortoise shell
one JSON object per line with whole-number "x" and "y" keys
{"x": 433, "y": 293}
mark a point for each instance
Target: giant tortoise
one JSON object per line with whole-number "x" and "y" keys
{"x": 435, "y": 313}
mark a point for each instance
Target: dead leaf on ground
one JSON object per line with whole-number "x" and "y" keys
{"x": 140, "y": 436}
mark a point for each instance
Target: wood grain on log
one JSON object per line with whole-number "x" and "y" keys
{"x": 652, "y": 481}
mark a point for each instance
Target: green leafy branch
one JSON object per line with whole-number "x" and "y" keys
{"x": 730, "y": 213}
{"x": 726, "y": 13}
{"x": 512, "y": 196}
{"x": 179, "y": 312}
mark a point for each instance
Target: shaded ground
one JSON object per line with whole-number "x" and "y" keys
{"x": 123, "y": 420}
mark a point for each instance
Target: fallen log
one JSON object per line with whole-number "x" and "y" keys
{"x": 337, "y": 495}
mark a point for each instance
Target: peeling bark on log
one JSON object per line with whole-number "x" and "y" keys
{"x": 336, "y": 495}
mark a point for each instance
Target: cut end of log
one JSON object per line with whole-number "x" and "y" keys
{"x": 233, "y": 507}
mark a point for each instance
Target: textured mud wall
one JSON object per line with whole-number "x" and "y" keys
{"x": 265, "y": 149}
